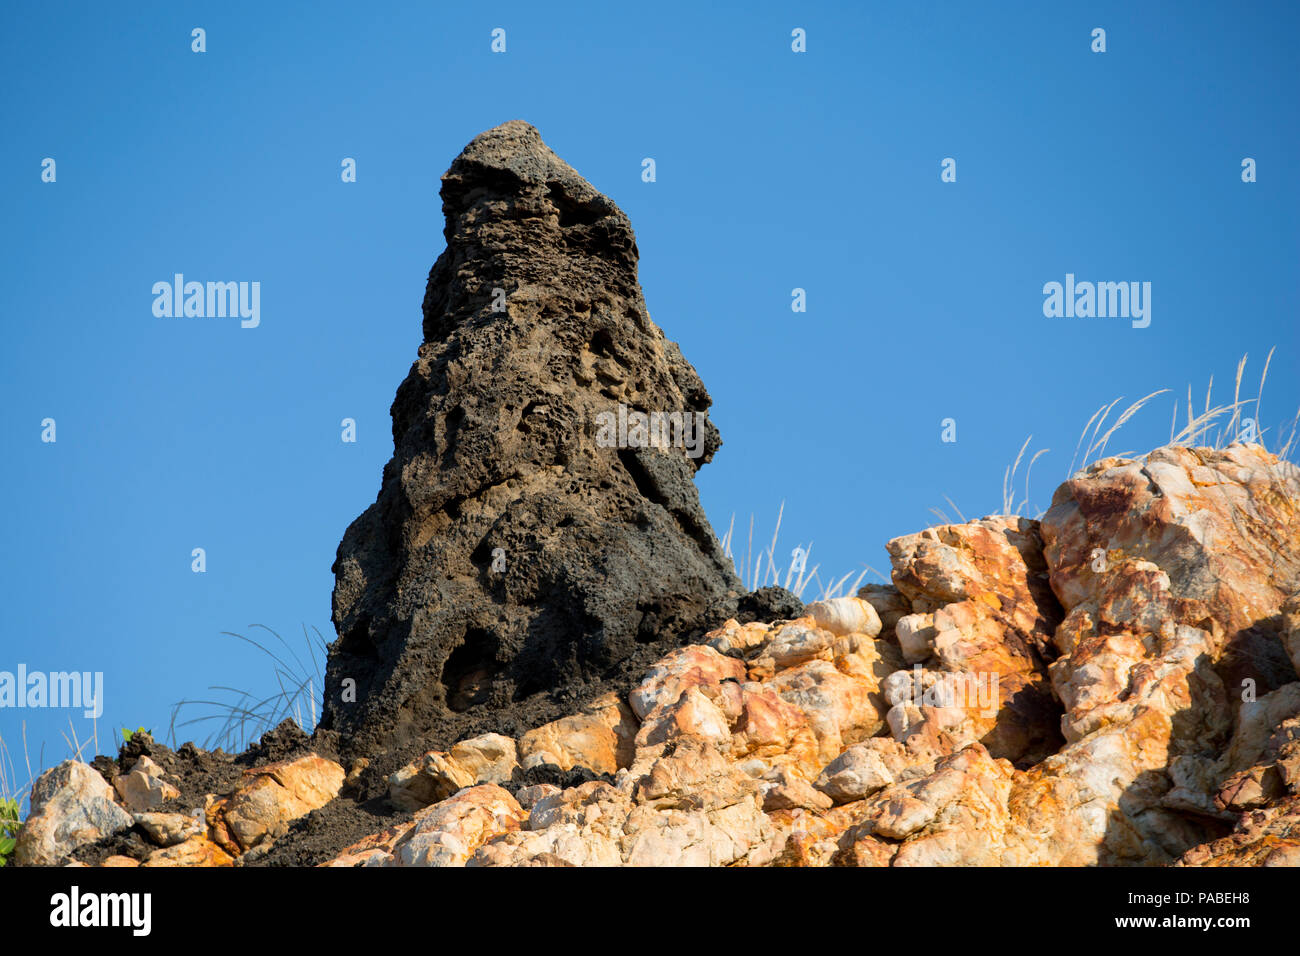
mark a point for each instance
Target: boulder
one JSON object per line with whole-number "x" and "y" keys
{"x": 273, "y": 796}
{"x": 71, "y": 806}
{"x": 488, "y": 758}
{"x": 143, "y": 789}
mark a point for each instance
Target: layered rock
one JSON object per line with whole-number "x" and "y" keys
{"x": 273, "y": 796}
{"x": 1173, "y": 572}
{"x": 515, "y": 563}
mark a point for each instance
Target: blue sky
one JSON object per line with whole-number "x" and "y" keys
{"x": 775, "y": 170}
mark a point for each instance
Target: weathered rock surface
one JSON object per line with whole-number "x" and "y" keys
{"x": 490, "y": 758}
{"x": 71, "y": 805}
{"x": 982, "y": 605}
{"x": 1266, "y": 837}
{"x": 275, "y": 795}
{"x": 602, "y": 739}
{"x": 195, "y": 851}
{"x": 1173, "y": 572}
{"x": 512, "y": 565}
{"x": 169, "y": 829}
{"x": 448, "y": 833}
{"x": 144, "y": 788}
{"x": 807, "y": 742}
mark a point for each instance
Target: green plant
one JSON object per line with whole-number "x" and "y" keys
{"x": 128, "y": 734}
{"x": 10, "y": 799}
{"x": 10, "y": 823}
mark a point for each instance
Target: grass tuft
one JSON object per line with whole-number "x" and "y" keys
{"x": 763, "y": 571}
{"x": 1214, "y": 426}
{"x": 242, "y": 718}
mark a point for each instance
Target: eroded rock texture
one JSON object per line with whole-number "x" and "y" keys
{"x": 512, "y": 566}
{"x": 1121, "y": 722}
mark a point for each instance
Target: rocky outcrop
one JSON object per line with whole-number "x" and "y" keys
{"x": 534, "y": 543}
{"x": 162, "y": 812}
{"x": 711, "y": 760}
{"x": 1126, "y": 727}
{"x": 1173, "y": 572}
{"x": 490, "y": 758}
{"x": 1111, "y": 740}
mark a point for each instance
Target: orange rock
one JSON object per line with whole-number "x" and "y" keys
{"x": 273, "y": 796}
{"x": 600, "y": 739}
{"x": 196, "y": 851}
{"x": 695, "y": 665}
{"x": 449, "y": 833}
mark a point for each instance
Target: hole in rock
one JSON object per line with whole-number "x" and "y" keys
{"x": 602, "y": 343}
{"x": 467, "y": 675}
{"x": 357, "y": 640}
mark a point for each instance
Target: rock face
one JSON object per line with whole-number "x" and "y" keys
{"x": 1122, "y": 724}
{"x": 1114, "y": 630}
{"x": 514, "y": 564}
{"x": 982, "y": 604}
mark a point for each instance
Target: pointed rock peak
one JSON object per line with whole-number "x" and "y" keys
{"x": 511, "y": 161}
{"x": 538, "y": 539}
{"x": 516, "y": 147}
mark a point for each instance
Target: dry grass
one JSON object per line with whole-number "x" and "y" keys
{"x": 11, "y": 787}
{"x": 761, "y": 570}
{"x": 1214, "y": 426}
{"x": 14, "y": 787}
{"x": 246, "y": 718}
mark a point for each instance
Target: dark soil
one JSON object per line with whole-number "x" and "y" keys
{"x": 196, "y": 773}
{"x": 320, "y": 835}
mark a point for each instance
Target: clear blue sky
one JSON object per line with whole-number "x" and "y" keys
{"x": 775, "y": 170}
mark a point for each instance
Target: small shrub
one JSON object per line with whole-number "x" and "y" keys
{"x": 9, "y": 827}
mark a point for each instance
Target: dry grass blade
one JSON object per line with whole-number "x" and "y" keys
{"x": 1082, "y": 435}
{"x": 1236, "y": 394}
{"x": 1029, "y": 471}
{"x": 245, "y": 718}
{"x": 797, "y": 575}
{"x": 1008, "y": 491}
{"x": 1259, "y": 395}
{"x": 1128, "y": 413}
{"x": 1289, "y": 446}
{"x": 1197, "y": 427}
